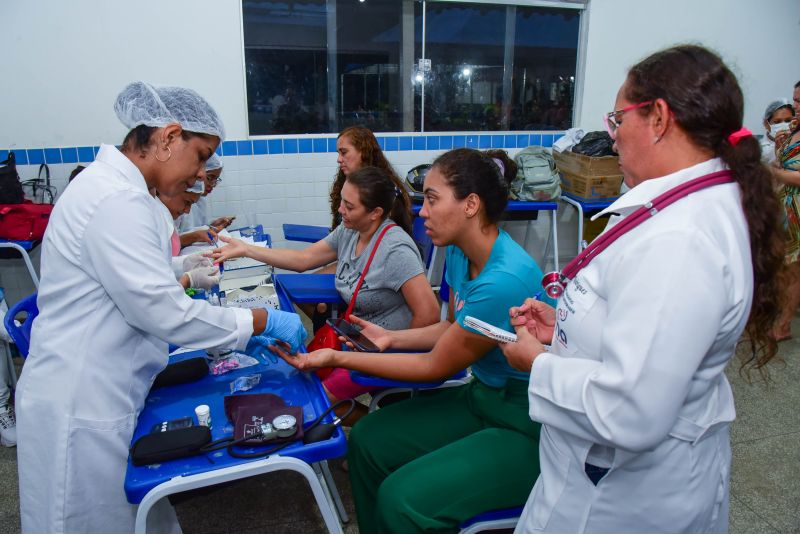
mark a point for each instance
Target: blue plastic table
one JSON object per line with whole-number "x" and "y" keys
{"x": 23, "y": 247}
{"x": 147, "y": 484}
{"x": 304, "y": 232}
{"x": 308, "y": 288}
{"x": 584, "y": 207}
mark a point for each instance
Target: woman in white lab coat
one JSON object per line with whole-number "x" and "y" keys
{"x": 109, "y": 305}
{"x": 635, "y": 406}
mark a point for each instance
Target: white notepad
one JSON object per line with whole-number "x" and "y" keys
{"x": 491, "y": 331}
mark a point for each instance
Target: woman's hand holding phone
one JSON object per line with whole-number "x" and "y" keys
{"x": 376, "y": 334}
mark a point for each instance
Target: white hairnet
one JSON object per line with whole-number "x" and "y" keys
{"x": 775, "y": 105}
{"x": 214, "y": 162}
{"x": 141, "y": 103}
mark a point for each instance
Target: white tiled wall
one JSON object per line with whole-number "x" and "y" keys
{"x": 293, "y": 188}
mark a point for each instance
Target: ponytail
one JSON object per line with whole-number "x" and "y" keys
{"x": 767, "y": 244}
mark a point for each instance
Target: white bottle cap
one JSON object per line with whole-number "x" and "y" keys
{"x": 203, "y": 413}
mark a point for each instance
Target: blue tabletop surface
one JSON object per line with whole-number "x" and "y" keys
{"x": 166, "y": 404}
{"x": 305, "y": 232}
{"x": 591, "y": 205}
{"x": 308, "y": 288}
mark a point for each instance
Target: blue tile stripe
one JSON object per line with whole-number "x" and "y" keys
{"x": 305, "y": 145}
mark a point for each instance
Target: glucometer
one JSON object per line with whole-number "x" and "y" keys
{"x": 175, "y": 424}
{"x": 353, "y": 334}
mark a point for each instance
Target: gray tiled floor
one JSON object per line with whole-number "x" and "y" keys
{"x": 765, "y": 481}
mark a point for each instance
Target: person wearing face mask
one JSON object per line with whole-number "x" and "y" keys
{"x": 197, "y": 218}
{"x": 777, "y": 117}
{"x": 193, "y": 270}
{"x": 108, "y": 309}
{"x": 786, "y": 170}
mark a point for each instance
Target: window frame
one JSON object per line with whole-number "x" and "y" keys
{"x": 580, "y": 66}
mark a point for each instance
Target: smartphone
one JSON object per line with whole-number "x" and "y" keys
{"x": 184, "y": 422}
{"x": 353, "y": 334}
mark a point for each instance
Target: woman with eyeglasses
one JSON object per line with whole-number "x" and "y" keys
{"x": 198, "y": 216}
{"x": 632, "y": 396}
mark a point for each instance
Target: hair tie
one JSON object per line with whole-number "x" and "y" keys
{"x": 502, "y": 167}
{"x": 397, "y": 192}
{"x": 738, "y": 135}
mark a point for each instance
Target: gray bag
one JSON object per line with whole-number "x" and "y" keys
{"x": 537, "y": 177}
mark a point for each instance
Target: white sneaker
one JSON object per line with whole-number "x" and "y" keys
{"x": 8, "y": 427}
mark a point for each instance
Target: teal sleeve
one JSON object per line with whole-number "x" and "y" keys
{"x": 490, "y": 302}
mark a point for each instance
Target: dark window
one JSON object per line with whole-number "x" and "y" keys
{"x": 496, "y": 67}
{"x": 318, "y": 66}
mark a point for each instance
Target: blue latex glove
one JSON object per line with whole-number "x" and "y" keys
{"x": 287, "y": 327}
{"x": 258, "y": 346}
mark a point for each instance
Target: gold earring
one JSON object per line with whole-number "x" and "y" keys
{"x": 169, "y": 155}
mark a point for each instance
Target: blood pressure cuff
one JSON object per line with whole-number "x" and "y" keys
{"x": 160, "y": 447}
{"x": 247, "y": 413}
{"x": 182, "y": 372}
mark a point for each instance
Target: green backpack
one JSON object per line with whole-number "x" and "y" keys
{"x": 537, "y": 177}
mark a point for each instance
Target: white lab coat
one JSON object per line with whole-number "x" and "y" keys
{"x": 108, "y": 306}
{"x": 635, "y": 378}
{"x": 196, "y": 218}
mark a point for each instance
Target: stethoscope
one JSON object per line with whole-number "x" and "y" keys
{"x": 554, "y": 283}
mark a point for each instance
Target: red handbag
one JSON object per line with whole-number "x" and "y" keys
{"x": 326, "y": 337}
{"x": 24, "y": 222}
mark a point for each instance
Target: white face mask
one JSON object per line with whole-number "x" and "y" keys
{"x": 775, "y": 129}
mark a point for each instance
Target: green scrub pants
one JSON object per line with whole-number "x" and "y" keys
{"x": 429, "y": 463}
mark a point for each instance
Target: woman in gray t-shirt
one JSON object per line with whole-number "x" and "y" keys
{"x": 395, "y": 294}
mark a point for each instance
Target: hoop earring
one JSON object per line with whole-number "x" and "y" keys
{"x": 169, "y": 155}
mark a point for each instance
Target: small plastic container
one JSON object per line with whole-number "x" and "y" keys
{"x": 203, "y": 413}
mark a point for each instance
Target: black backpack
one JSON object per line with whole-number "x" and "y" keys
{"x": 10, "y": 186}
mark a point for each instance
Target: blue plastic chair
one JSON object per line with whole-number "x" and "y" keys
{"x": 22, "y": 334}
{"x": 494, "y": 520}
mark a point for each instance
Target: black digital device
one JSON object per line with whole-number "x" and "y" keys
{"x": 353, "y": 334}
{"x": 175, "y": 424}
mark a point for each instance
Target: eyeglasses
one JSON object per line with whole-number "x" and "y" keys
{"x": 214, "y": 182}
{"x": 610, "y": 119}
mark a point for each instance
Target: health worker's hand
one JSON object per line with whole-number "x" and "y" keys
{"x": 221, "y": 222}
{"x": 780, "y": 137}
{"x": 537, "y": 317}
{"x": 203, "y": 277}
{"x": 520, "y": 355}
{"x": 259, "y": 346}
{"x": 285, "y": 326}
{"x": 199, "y": 236}
{"x": 192, "y": 261}
{"x": 233, "y": 248}
{"x": 378, "y": 335}
{"x": 306, "y": 361}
